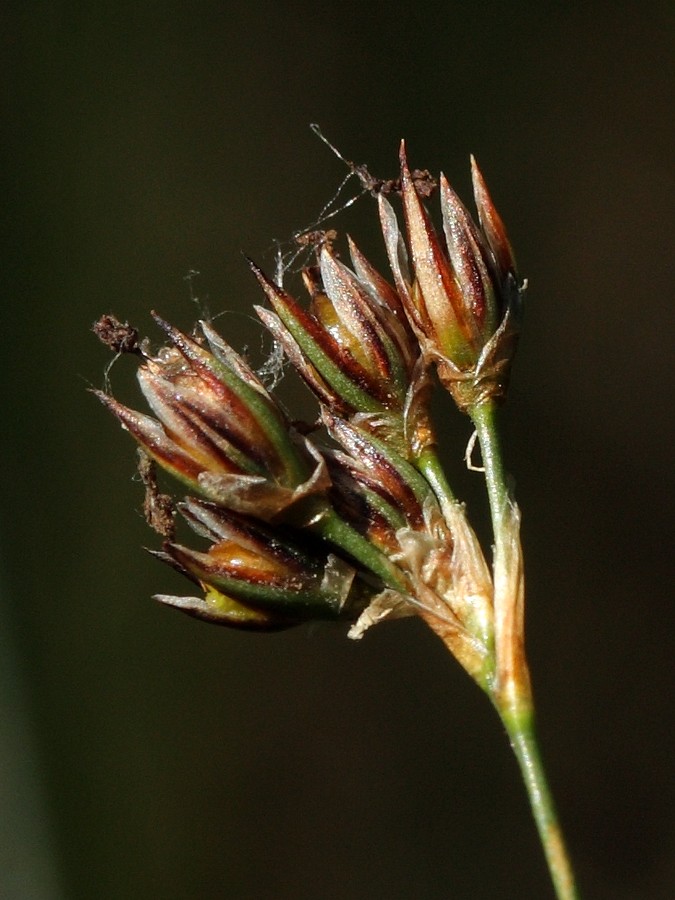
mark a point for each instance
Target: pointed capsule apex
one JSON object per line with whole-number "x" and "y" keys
{"x": 257, "y": 271}
{"x": 402, "y": 155}
{"x": 491, "y": 223}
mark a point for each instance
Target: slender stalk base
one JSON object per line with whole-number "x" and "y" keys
{"x": 511, "y": 694}
{"x": 520, "y": 728}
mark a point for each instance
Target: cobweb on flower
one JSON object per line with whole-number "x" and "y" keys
{"x": 293, "y": 254}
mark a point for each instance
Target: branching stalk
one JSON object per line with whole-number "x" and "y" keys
{"x": 337, "y": 531}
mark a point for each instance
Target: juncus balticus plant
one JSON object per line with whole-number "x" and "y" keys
{"x": 356, "y": 521}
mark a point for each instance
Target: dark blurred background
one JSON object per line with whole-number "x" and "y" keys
{"x": 143, "y": 754}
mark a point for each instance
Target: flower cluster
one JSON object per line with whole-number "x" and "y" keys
{"x": 358, "y": 523}
{"x": 462, "y": 297}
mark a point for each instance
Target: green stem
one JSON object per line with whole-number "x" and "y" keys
{"x": 511, "y": 694}
{"x": 511, "y": 685}
{"x": 520, "y": 728}
{"x": 430, "y": 466}
{"x": 337, "y": 531}
{"x": 484, "y": 420}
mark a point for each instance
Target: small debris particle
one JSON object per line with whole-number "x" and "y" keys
{"x": 317, "y": 239}
{"x": 424, "y": 181}
{"x": 120, "y": 337}
{"x": 159, "y": 509}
